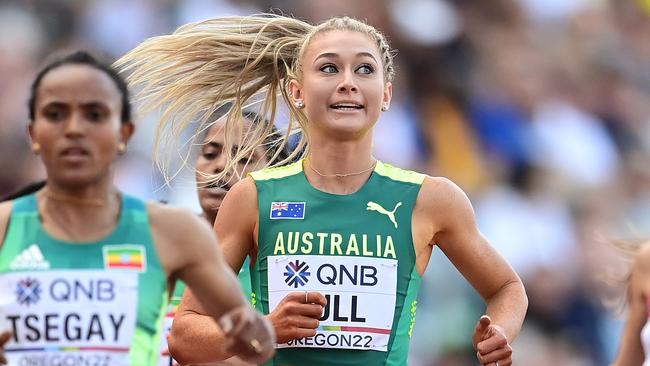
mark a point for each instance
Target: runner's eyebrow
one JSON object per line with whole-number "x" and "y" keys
{"x": 333, "y": 55}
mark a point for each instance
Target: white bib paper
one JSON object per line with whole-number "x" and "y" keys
{"x": 361, "y": 293}
{"x": 69, "y": 317}
{"x": 166, "y": 360}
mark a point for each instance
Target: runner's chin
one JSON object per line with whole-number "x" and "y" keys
{"x": 211, "y": 198}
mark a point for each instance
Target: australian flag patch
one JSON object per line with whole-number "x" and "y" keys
{"x": 287, "y": 210}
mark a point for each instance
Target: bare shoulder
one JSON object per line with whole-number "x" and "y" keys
{"x": 440, "y": 185}
{"x": 172, "y": 221}
{"x": 181, "y": 237}
{"x": 238, "y": 211}
{"x": 441, "y": 194}
{"x": 5, "y": 214}
{"x": 240, "y": 203}
{"x": 244, "y": 189}
{"x": 5, "y": 210}
{"x": 642, "y": 259}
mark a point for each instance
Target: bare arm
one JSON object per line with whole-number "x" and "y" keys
{"x": 631, "y": 349}
{"x": 195, "y": 337}
{"x": 189, "y": 251}
{"x": 4, "y": 338}
{"x": 456, "y": 233}
{"x": 5, "y": 214}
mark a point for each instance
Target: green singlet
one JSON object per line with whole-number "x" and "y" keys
{"x": 356, "y": 249}
{"x": 99, "y": 303}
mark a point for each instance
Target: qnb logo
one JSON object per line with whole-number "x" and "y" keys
{"x": 28, "y": 291}
{"x": 296, "y": 274}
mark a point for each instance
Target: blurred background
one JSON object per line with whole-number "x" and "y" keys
{"x": 538, "y": 109}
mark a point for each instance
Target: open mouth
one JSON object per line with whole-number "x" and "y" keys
{"x": 217, "y": 187}
{"x": 74, "y": 155}
{"x": 74, "y": 152}
{"x": 346, "y": 106}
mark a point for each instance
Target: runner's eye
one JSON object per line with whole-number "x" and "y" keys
{"x": 328, "y": 69}
{"x": 365, "y": 69}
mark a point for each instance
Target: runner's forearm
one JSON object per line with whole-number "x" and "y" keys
{"x": 197, "y": 338}
{"x": 507, "y": 308}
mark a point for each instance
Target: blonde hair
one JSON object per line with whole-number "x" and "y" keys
{"x": 617, "y": 277}
{"x": 240, "y": 60}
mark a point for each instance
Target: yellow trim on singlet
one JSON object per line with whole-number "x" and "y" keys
{"x": 382, "y": 169}
{"x": 277, "y": 172}
{"x": 399, "y": 174}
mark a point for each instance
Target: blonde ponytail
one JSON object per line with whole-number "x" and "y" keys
{"x": 204, "y": 66}
{"x": 616, "y": 277}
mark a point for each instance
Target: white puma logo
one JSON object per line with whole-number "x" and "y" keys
{"x": 372, "y": 206}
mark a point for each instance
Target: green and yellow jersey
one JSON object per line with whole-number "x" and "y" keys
{"x": 98, "y": 303}
{"x": 356, "y": 249}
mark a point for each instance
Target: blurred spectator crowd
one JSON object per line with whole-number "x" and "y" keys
{"x": 538, "y": 109}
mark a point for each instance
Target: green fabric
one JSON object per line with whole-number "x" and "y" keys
{"x": 145, "y": 346}
{"x": 357, "y": 225}
{"x": 245, "y": 279}
{"x": 25, "y": 233}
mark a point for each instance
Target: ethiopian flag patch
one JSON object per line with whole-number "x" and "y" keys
{"x": 125, "y": 257}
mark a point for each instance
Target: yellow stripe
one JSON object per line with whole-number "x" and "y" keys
{"x": 115, "y": 258}
{"x": 645, "y": 5}
{"x": 383, "y": 169}
{"x": 399, "y": 174}
{"x": 278, "y": 172}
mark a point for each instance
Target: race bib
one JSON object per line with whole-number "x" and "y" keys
{"x": 69, "y": 317}
{"x": 360, "y": 293}
{"x": 165, "y": 359}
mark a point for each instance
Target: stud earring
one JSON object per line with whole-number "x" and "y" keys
{"x": 300, "y": 104}
{"x": 121, "y": 148}
{"x": 36, "y": 148}
{"x": 384, "y": 108}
